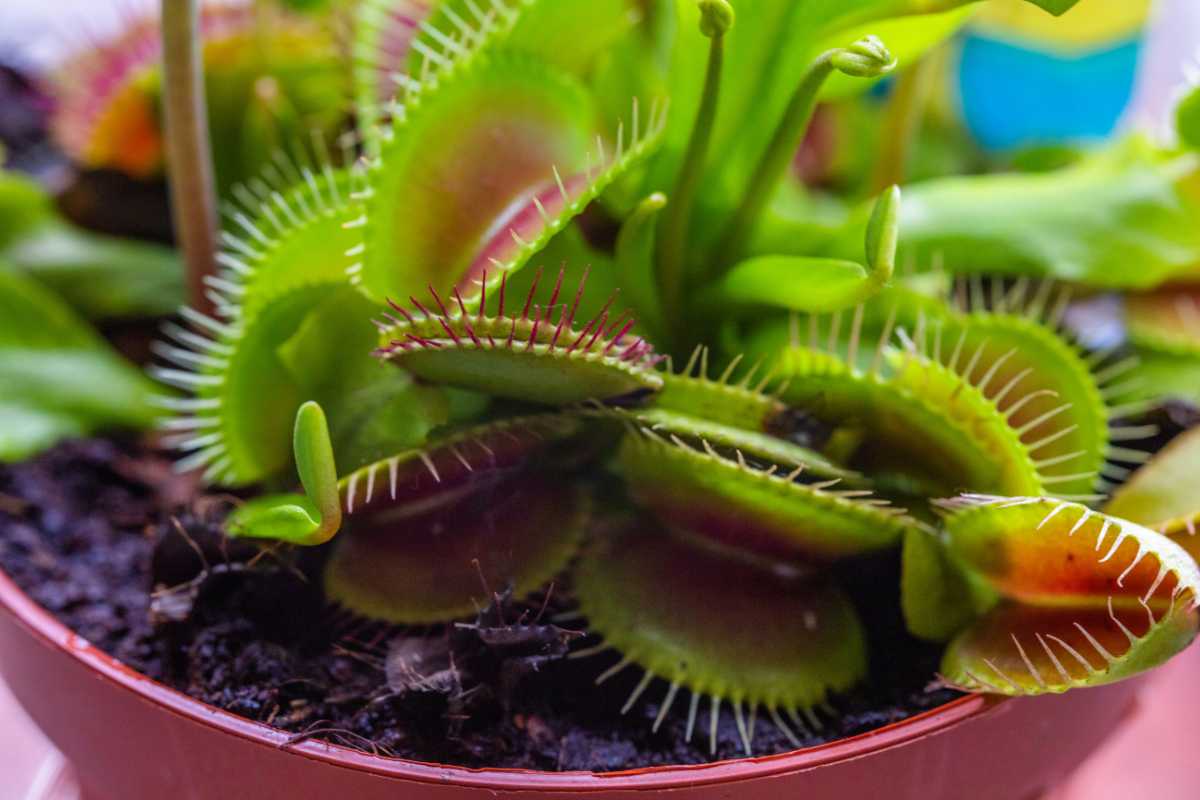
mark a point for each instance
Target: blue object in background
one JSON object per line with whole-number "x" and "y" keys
{"x": 1013, "y": 96}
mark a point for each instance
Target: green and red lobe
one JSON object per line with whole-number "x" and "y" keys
{"x": 525, "y": 219}
{"x": 424, "y": 566}
{"x": 1166, "y": 319}
{"x": 464, "y": 162}
{"x": 767, "y": 513}
{"x": 1082, "y": 598}
{"x": 1057, "y": 553}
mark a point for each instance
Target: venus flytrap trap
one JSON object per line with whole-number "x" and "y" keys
{"x": 530, "y": 357}
{"x": 1078, "y": 598}
{"x": 487, "y": 500}
{"x": 734, "y": 417}
{"x": 695, "y": 618}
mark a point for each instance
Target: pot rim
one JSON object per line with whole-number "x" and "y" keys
{"x": 45, "y": 627}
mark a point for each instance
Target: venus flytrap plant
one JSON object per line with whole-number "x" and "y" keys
{"x": 51, "y": 363}
{"x": 475, "y": 429}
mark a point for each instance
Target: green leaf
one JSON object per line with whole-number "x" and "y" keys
{"x": 635, "y": 263}
{"x": 57, "y": 377}
{"x": 797, "y": 283}
{"x": 937, "y": 596}
{"x": 1118, "y": 218}
{"x": 1187, "y": 119}
{"x": 23, "y": 206}
{"x": 819, "y": 285}
{"x": 1163, "y": 495}
{"x": 1055, "y": 7}
{"x": 102, "y": 277}
{"x": 311, "y": 519}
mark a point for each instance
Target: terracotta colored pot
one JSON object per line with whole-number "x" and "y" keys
{"x": 130, "y": 738}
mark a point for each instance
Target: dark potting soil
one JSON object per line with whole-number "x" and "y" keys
{"x": 128, "y": 555}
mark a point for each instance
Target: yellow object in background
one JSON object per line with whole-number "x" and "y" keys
{"x": 1090, "y": 24}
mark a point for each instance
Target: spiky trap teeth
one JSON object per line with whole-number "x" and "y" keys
{"x": 538, "y": 356}
{"x": 453, "y": 464}
{"x": 723, "y": 630}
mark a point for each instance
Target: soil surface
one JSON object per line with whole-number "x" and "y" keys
{"x": 128, "y": 555}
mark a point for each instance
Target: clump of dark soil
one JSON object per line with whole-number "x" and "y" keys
{"x": 131, "y": 557}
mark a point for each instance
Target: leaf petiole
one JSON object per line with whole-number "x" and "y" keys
{"x": 866, "y": 58}
{"x": 716, "y": 18}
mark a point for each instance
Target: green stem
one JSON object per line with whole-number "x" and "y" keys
{"x": 866, "y": 58}
{"x": 716, "y": 19}
{"x": 775, "y": 160}
{"x": 189, "y": 155}
{"x": 902, "y": 124}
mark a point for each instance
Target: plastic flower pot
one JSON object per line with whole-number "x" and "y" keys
{"x": 130, "y": 738}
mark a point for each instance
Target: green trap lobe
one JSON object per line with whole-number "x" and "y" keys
{"x": 1086, "y": 598}
{"x": 717, "y": 625}
{"x": 1021, "y": 650}
{"x": 539, "y": 356}
{"x": 480, "y": 147}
